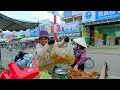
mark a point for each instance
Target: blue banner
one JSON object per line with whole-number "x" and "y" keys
{"x": 36, "y": 31}
{"x": 102, "y": 15}
{"x": 32, "y": 33}
{"x": 90, "y": 16}
{"x": 70, "y": 27}
{"x": 69, "y": 31}
{"x": 67, "y": 14}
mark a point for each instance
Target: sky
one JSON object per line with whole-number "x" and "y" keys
{"x": 31, "y": 15}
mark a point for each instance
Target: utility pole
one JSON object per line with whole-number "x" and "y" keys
{"x": 55, "y": 27}
{"x": 1, "y": 31}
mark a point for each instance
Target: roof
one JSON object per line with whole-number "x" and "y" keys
{"x": 7, "y": 23}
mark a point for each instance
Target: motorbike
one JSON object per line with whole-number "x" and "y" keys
{"x": 89, "y": 62}
{"x": 23, "y": 59}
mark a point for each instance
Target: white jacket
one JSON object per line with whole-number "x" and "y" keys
{"x": 44, "y": 53}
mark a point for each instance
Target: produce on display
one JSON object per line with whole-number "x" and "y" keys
{"x": 72, "y": 74}
{"x": 61, "y": 59}
{"x": 63, "y": 56}
{"x": 43, "y": 75}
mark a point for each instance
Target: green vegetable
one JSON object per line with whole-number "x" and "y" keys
{"x": 45, "y": 75}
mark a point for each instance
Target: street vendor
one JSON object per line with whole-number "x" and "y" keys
{"x": 44, "y": 47}
{"x": 80, "y": 53}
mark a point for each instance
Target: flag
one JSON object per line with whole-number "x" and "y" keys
{"x": 58, "y": 28}
{"x": 54, "y": 13}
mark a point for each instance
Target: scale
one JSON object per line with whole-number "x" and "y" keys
{"x": 60, "y": 72}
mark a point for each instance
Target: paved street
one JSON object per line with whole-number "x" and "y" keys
{"x": 112, "y": 60}
{"x": 111, "y": 56}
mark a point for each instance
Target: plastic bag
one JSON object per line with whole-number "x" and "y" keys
{"x": 43, "y": 75}
{"x": 63, "y": 55}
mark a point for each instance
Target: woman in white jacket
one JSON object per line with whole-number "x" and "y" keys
{"x": 44, "y": 47}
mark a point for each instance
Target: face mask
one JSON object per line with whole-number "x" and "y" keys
{"x": 78, "y": 46}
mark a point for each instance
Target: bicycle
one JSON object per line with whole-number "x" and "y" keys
{"x": 89, "y": 63}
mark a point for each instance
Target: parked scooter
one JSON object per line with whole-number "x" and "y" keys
{"x": 23, "y": 59}
{"x": 16, "y": 73}
{"x": 23, "y": 66}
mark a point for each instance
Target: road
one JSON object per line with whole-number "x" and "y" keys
{"x": 111, "y": 56}
{"x": 112, "y": 60}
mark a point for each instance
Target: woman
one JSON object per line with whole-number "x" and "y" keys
{"x": 44, "y": 47}
{"x": 80, "y": 53}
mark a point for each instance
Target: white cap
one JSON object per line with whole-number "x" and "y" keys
{"x": 80, "y": 41}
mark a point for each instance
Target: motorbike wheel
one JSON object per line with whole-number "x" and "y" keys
{"x": 89, "y": 63}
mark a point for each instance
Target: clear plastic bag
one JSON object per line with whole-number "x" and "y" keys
{"x": 63, "y": 55}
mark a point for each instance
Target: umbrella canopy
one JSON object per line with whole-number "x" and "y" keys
{"x": 7, "y": 23}
{"x": 3, "y": 40}
{"x": 28, "y": 39}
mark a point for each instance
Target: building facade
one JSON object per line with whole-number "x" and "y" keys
{"x": 104, "y": 26}
{"x": 71, "y": 27}
{"x": 71, "y": 16}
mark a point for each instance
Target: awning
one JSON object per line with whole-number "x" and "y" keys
{"x": 16, "y": 38}
{"x": 3, "y": 40}
{"x": 7, "y": 23}
{"x": 28, "y": 39}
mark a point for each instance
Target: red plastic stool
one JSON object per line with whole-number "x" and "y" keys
{"x": 27, "y": 73}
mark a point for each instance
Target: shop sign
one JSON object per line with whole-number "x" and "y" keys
{"x": 70, "y": 27}
{"x": 36, "y": 31}
{"x": 102, "y": 15}
{"x": 88, "y": 16}
{"x": 91, "y": 16}
{"x": 32, "y": 33}
{"x": 67, "y": 14}
{"x": 76, "y": 13}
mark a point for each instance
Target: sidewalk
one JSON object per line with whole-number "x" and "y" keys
{"x": 104, "y": 47}
{"x": 106, "y": 50}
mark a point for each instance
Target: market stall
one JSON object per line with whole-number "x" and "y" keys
{"x": 3, "y": 42}
{"x": 30, "y": 41}
{"x": 7, "y": 23}
{"x": 59, "y": 68}
{"x": 69, "y": 73}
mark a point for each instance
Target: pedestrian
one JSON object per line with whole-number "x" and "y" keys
{"x": 44, "y": 47}
{"x": 80, "y": 53}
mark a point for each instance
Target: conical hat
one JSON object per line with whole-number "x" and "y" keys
{"x": 80, "y": 41}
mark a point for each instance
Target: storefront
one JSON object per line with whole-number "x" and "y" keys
{"x": 108, "y": 33}
{"x": 85, "y": 31}
{"x": 104, "y": 26}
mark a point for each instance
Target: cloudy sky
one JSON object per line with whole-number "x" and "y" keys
{"x": 31, "y": 15}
